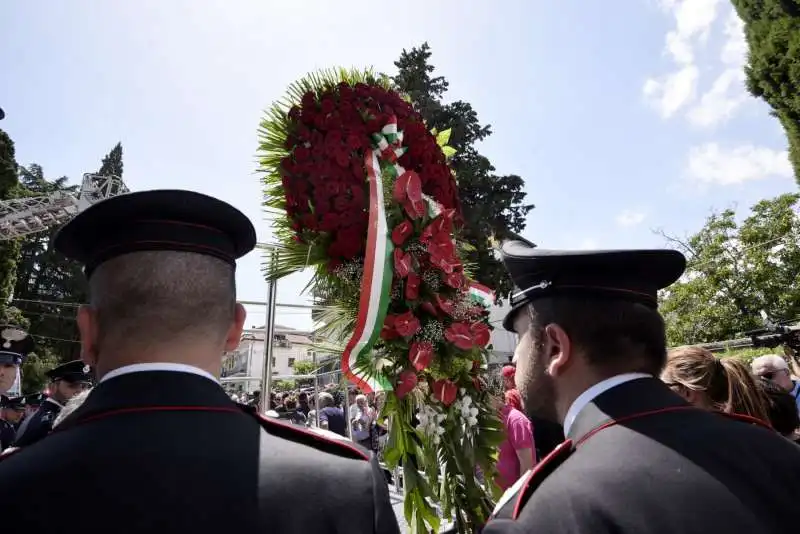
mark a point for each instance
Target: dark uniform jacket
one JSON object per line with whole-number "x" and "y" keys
{"x": 169, "y": 452}
{"x": 39, "y": 424}
{"x": 639, "y": 459}
{"x": 7, "y": 435}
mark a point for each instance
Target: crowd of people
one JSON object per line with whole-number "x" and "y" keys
{"x": 606, "y": 430}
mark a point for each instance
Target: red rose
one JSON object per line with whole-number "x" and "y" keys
{"x": 445, "y": 391}
{"x": 412, "y": 286}
{"x": 406, "y": 324}
{"x": 406, "y": 382}
{"x": 481, "y": 333}
{"x": 402, "y": 263}
{"x": 401, "y": 232}
{"x": 420, "y": 354}
{"x": 459, "y": 335}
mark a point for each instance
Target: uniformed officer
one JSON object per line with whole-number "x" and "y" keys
{"x": 158, "y": 446}
{"x": 12, "y": 410}
{"x": 637, "y": 457}
{"x": 32, "y": 402}
{"x": 15, "y": 345}
{"x": 66, "y": 381}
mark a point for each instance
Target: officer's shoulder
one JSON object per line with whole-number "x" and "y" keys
{"x": 320, "y": 440}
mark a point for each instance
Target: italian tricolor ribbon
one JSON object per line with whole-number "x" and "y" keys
{"x": 376, "y": 284}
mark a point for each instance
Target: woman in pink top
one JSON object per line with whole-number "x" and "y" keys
{"x": 517, "y": 451}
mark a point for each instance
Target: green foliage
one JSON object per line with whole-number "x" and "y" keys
{"x": 734, "y": 271}
{"x": 112, "y": 162}
{"x": 280, "y": 386}
{"x": 304, "y": 367}
{"x": 34, "y": 369}
{"x": 772, "y": 29}
{"x": 493, "y": 204}
{"x": 9, "y": 250}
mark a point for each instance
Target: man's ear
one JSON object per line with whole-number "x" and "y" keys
{"x": 87, "y": 326}
{"x": 235, "y": 331}
{"x": 559, "y": 349}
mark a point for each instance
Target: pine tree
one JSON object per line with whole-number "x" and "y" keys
{"x": 112, "y": 162}
{"x": 772, "y": 29}
{"x": 9, "y": 249}
{"x": 493, "y": 204}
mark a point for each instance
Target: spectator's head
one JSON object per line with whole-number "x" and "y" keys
{"x": 302, "y": 398}
{"x": 513, "y": 399}
{"x": 289, "y": 402}
{"x": 723, "y": 384}
{"x": 782, "y": 408}
{"x": 361, "y": 401}
{"x": 325, "y": 399}
{"x": 160, "y": 258}
{"x": 508, "y": 376}
{"x": 773, "y": 368}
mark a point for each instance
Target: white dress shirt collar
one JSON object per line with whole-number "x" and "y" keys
{"x": 52, "y": 400}
{"x": 593, "y": 392}
{"x": 144, "y": 367}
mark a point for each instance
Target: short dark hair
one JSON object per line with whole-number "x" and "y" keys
{"x": 616, "y": 335}
{"x": 153, "y": 297}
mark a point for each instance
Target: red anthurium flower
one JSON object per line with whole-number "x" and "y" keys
{"x": 421, "y": 354}
{"x": 408, "y": 191}
{"x": 481, "y": 334}
{"x": 455, "y": 280}
{"x": 459, "y": 335}
{"x": 412, "y": 286}
{"x": 406, "y": 324}
{"x": 388, "y": 331}
{"x": 445, "y": 391}
{"x": 401, "y": 232}
{"x": 402, "y": 263}
{"x": 406, "y": 382}
{"x": 430, "y": 308}
{"x": 445, "y": 305}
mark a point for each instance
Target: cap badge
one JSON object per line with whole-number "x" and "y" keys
{"x": 11, "y": 334}
{"x": 86, "y": 369}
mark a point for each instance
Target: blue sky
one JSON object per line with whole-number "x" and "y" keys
{"x": 621, "y": 116}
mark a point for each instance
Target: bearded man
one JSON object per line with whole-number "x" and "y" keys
{"x": 637, "y": 457}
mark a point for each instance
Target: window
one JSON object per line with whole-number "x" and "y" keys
{"x": 291, "y": 363}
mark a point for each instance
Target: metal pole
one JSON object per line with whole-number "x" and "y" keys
{"x": 269, "y": 333}
{"x": 347, "y": 408}
{"x": 316, "y": 384}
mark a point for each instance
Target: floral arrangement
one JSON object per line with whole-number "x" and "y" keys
{"x": 364, "y": 197}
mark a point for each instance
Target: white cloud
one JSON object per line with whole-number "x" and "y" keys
{"x": 588, "y": 244}
{"x": 711, "y": 164}
{"x": 670, "y": 93}
{"x": 631, "y": 218}
{"x": 727, "y": 93}
{"x": 677, "y": 91}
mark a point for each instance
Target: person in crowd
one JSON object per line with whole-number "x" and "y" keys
{"x": 72, "y": 404}
{"x": 713, "y": 383}
{"x": 330, "y": 416}
{"x": 158, "y": 446}
{"x": 291, "y": 413}
{"x": 302, "y": 403}
{"x": 11, "y": 411}
{"x": 66, "y": 381}
{"x": 508, "y": 373}
{"x": 516, "y": 453}
{"x": 362, "y": 417}
{"x": 775, "y": 369}
{"x": 15, "y": 345}
{"x": 782, "y": 410}
{"x": 32, "y": 404}
{"x": 638, "y": 458}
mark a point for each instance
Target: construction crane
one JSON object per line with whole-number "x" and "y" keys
{"x": 24, "y": 216}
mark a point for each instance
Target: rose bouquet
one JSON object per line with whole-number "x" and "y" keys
{"x": 365, "y": 198}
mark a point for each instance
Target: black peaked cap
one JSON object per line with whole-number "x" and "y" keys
{"x": 634, "y": 275}
{"x": 164, "y": 219}
{"x": 74, "y": 371}
{"x": 15, "y": 344}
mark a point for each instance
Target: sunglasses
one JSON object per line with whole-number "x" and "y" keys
{"x": 772, "y": 374}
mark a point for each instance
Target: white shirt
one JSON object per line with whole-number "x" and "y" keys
{"x": 142, "y": 367}
{"x": 593, "y": 392}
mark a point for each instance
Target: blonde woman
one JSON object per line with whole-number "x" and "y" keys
{"x": 712, "y": 383}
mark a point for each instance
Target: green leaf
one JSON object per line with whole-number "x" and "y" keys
{"x": 448, "y": 151}
{"x": 443, "y": 137}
